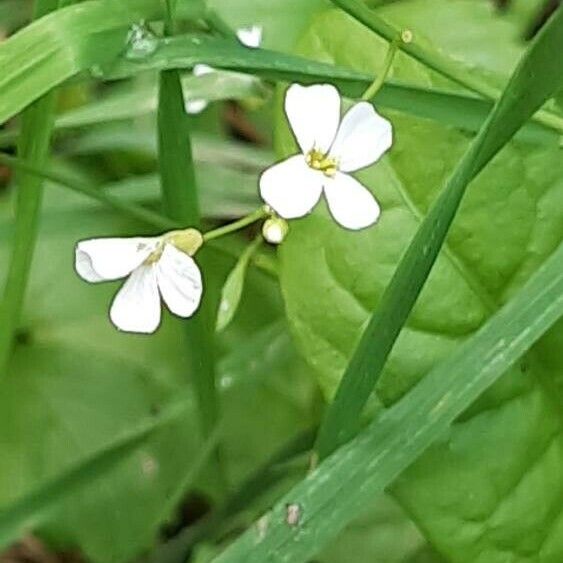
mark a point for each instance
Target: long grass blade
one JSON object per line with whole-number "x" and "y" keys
{"x": 325, "y": 502}
{"x": 537, "y": 78}
{"x": 93, "y": 35}
{"x": 180, "y": 199}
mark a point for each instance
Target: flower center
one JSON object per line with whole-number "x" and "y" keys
{"x": 187, "y": 240}
{"x": 155, "y": 255}
{"x": 321, "y": 162}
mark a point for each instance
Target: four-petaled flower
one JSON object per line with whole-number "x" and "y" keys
{"x": 250, "y": 37}
{"x": 154, "y": 267}
{"x": 330, "y": 150}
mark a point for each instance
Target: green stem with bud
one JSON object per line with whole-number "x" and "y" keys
{"x": 376, "y": 85}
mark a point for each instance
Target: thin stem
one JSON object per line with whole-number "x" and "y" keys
{"x": 376, "y": 85}
{"x": 260, "y": 213}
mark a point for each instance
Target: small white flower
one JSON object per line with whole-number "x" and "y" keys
{"x": 250, "y": 37}
{"x": 331, "y": 148}
{"x": 154, "y": 267}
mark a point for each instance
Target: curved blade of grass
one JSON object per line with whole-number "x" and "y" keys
{"x": 537, "y": 77}
{"x": 336, "y": 492}
{"x": 434, "y": 59}
{"x": 94, "y": 33}
{"x": 34, "y": 508}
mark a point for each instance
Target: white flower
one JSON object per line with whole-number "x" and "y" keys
{"x": 154, "y": 267}
{"x": 250, "y": 37}
{"x": 330, "y": 150}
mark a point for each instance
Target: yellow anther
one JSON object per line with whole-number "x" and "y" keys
{"x": 322, "y": 162}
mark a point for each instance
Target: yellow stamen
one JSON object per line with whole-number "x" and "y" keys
{"x": 322, "y": 162}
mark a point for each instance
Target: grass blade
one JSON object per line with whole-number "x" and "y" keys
{"x": 537, "y": 77}
{"x": 180, "y": 199}
{"x": 336, "y": 491}
{"x": 37, "y": 125}
{"x": 94, "y": 33}
{"x": 52, "y": 49}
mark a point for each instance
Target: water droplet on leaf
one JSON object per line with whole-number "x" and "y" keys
{"x": 141, "y": 42}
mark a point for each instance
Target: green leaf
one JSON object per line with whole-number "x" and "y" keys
{"x": 234, "y": 285}
{"x": 507, "y": 226}
{"x": 536, "y": 79}
{"x": 337, "y": 490}
{"x": 30, "y": 511}
{"x": 76, "y": 384}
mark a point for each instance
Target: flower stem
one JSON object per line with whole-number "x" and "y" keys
{"x": 260, "y": 213}
{"x": 376, "y": 85}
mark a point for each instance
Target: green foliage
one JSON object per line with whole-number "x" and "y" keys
{"x": 347, "y": 273}
{"x": 324, "y": 502}
{"x": 119, "y": 446}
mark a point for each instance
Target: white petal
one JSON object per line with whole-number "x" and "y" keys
{"x": 313, "y": 113}
{"x": 136, "y": 307}
{"x": 83, "y": 267}
{"x": 291, "y": 188}
{"x": 350, "y": 203}
{"x": 179, "y": 280}
{"x": 195, "y": 106}
{"x": 250, "y": 36}
{"x": 102, "y": 259}
{"x": 201, "y": 69}
{"x": 363, "y": 136}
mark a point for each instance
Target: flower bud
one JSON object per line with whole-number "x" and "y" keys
{"x": 275, "y": 230}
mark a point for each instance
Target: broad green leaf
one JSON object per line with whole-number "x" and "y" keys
{"x": 338, "y": 490}
{"x": 30, "y": 511}
{"x": 333, "y": 279}
{"x": 382, "y": 533}
{"x": 234, "y": 285}
{"x": 77, "y": 383}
